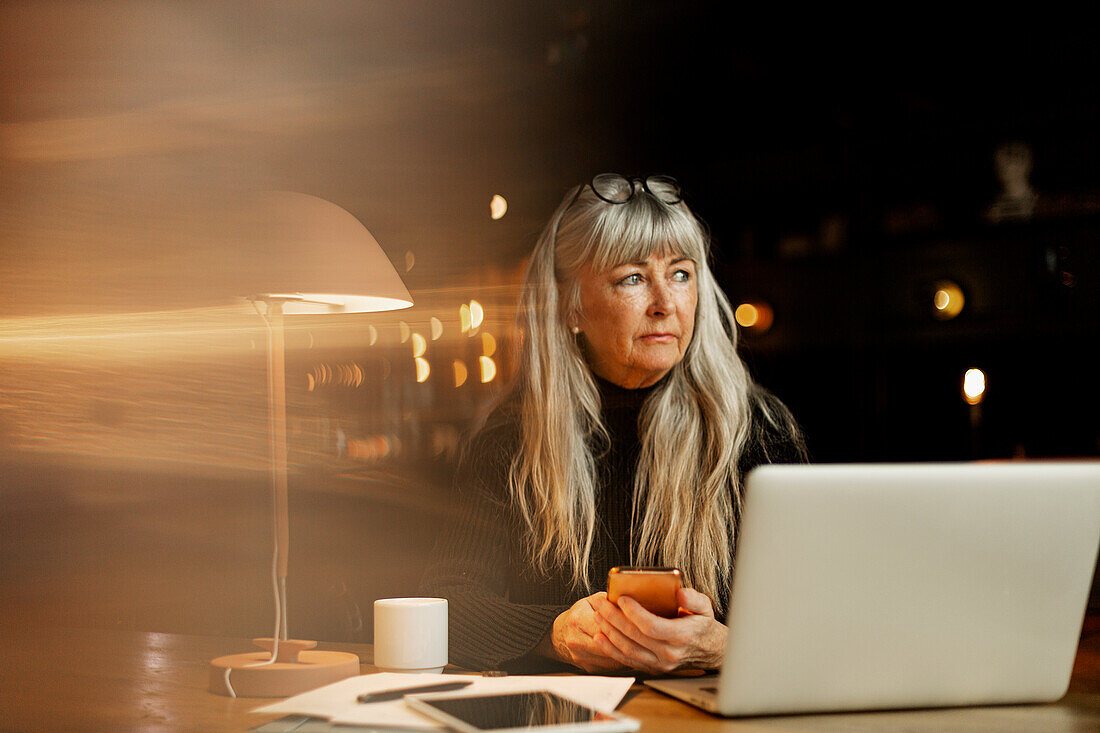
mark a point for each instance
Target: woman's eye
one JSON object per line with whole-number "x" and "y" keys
{"x": 681, "y": 276}
{"x": 631, "y": 279}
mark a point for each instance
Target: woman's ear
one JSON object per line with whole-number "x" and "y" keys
{"x": 574, "y": 322}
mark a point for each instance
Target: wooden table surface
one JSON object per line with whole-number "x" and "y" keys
{"x": 71, "y": 679}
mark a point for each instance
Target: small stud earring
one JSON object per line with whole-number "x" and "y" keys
{"x": 575, "y": 330}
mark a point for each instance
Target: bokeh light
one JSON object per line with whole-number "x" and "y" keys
{"x": 464, "y": 318}
{"x": 477, "y": 314}
{"x": 755, "y": 316}
{"x": 974, "y": 386}
{"x": 423, "y": 369}
{"x": 419, "y": 345}
{"x": 947, "y": 300}
{"x": 488, "y": 369}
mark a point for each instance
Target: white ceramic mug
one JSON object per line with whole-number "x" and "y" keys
{"x": 410, "y": 634}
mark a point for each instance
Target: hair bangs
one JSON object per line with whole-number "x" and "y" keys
{"x": 635, "y": 231}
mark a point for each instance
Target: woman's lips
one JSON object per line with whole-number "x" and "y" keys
{"x": 658, "y": 338}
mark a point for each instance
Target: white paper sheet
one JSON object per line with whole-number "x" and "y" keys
{"x": 338, "y": 703}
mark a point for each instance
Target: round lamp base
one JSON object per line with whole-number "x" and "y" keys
{"x": 295, "y": 671}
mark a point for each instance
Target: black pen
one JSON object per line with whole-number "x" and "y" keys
{"x": 398, "y": 694}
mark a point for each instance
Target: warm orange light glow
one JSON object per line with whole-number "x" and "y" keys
{"x": 947, "y": 300}
{"x": 488, "y": 344}
{"x": 410, "y": 260}
{"x": 423, "y": 369}
{"x": 746, "y": 315}
{"x": 460, "y": 373}
{"x": 464, "y": 318}
{"x": 974, "y": 386}
{"x": 184, "y": 387}
{"x": 405, "y": 331}
{"x": 757, "y": 316}
{"x": 498, "y": 206}
{"x": 372, "y": 339}
{"x": 488, "y": 369}
{"x": 108, "y": 337}
{"x": 419, "y": 345}
{"x": 437, "y": 328}
{"x": 369, "y": 448}
{"x": 341, "y": 375}
{"x": 477, "y": 314}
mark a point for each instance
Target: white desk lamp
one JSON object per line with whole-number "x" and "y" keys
{"x": 317, "y": 259}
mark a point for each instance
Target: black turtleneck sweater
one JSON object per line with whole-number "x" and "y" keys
{"x": 500, "y": 607}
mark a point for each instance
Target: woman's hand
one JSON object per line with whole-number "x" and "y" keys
{"x": 658, "y": 645}
{"x": 600, "y": 636}
{"x": 576, "y": 639}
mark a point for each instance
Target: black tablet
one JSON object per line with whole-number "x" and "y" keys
{"x": 540, "y": 711}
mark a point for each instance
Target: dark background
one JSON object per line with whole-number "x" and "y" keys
{"x": 841, "y": 174}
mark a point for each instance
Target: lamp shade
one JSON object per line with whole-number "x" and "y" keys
{"x": 309, "y": 253}
{"x": 168, "y": 250}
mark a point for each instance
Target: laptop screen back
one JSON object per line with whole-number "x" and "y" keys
{"x": 909, "y": 585}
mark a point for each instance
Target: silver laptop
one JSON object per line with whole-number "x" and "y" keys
{"x": 861, "y": 587}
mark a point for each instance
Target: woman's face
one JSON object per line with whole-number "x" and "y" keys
{"x": 637, "y": 319}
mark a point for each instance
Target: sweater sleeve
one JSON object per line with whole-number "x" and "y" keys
{"x": 475, "y": 560}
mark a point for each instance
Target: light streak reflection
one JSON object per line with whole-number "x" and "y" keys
{"x": 187, "y": 388}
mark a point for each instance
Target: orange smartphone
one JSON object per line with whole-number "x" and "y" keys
{"x": 653, "y": 588}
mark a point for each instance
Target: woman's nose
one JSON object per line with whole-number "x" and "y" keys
{"x": 660, "y": 302}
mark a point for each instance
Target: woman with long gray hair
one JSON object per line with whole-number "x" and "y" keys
{"x": 624, "y": 440}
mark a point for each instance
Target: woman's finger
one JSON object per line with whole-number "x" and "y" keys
{"x": 636, "y": 654}
{"x": 586, "y": 652}
{"x": 613, "y": 615}
{"x": 695, "y": 602}
{"x": 648, "y": 624}
{"x": 605, "y": 647}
